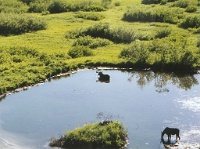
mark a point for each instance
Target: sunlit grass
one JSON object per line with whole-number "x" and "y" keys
{"x": 53, "y": 41}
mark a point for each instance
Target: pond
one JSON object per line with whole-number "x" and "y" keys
{"x": 144, "y": 101}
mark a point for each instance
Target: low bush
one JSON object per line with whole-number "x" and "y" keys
{"x": 12, "y": 6}
{"x": 151, "y": 1}
{"x": 191, "y": 9}
{"x": 27, "y": 1}
{"x": 151, "y": 14}
{"x": 160, "y": 54}
{"x": 39, "y": 6}
{"x": 58, "y": 6}
{"x": 103, "y": 30}
{"x": 80, "y": 51}
{"x": 192, "y": 21}
{"x": 91, "y": 42}
{"x": 91, "y": 16}
{"x": 161, "y": 33}
{"x": 19, "y": 23}
{"x": 182, "y": 3}
{"x": 108, "y": 134}
{"x": 163, "y": 2}
{"x": 117, "y": 3}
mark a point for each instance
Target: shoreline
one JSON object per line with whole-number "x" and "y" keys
{"x": 2, "y": 96}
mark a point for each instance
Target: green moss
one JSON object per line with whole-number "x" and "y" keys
{"x": 106, "y": 134}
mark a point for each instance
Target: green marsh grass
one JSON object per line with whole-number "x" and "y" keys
{"x": 52, "y": 44}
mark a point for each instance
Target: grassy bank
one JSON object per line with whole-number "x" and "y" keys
{"x": 52, "y": 36}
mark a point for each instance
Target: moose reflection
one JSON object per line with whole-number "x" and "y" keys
{"x": 103, "y": 77}
{"x": 170, "y": 131}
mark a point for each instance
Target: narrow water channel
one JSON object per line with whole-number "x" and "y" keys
{"x": 146, "y": 102}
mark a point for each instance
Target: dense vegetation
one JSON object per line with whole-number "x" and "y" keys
{"x": 42, "y": 38}
{"x": 107, "y": 134}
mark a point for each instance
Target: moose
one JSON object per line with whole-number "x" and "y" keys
{"x": 103, "y": 77}
{"x": 169, "y": 132}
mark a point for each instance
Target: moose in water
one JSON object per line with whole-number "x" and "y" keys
{"x": 103, "y": 77}
{"x": 170, "y": 131}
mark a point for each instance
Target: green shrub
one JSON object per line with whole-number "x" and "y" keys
{"x": 163, "y": 2}
{"x": 19, "y": 23}
{"x": 91, "y": 16}
{"x": 191, "y": 8}
{"x": 117, "y": 35}
{"x": 58, "y": 6}
{"x": 106, "y": 3}
{"x": 162, "y": 54}
{"x": 12, "y": 6}
{"x": 122, "y": 35}
{"x": 161, "y": 33}
{"x": 151, "y": 1}
{"x": 192, "y": 21}
{"x": 91, "y": 42}
{"x": 101, "y": 30}
{"x": 181, "y": 3}
{"x": 117, "y": 3}
{"x": 27, "y": 1}
{"x": 137, "y": 52}
{"x": 151, "y": 14}
{"x": 80, "y": 51}
{"x": 39, "y": 6}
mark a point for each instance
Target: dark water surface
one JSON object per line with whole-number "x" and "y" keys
{"x": 145, "y": 102}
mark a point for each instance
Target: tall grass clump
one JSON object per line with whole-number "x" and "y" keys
{"x": 12, "y": 6}
{"x": 19, "y": 23}
{"x": 151, "y": 14}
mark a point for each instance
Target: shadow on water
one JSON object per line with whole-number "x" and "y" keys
{"x": 161, "y": 80}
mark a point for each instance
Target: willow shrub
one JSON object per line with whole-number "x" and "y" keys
{"x": 103, "y": 30}
{"x": 39, "y": 6}
{"x": 19, "y": 23}
{"x": 80, "y": 51}
{"x": 12, "y": 6}
{"x": 153, "y": 14}
{"x": 161, "y": 54}
{"x": 91, "y": 42}
{"x": 192, "y": 21}
{"x": 161, "y": 33}
{"x": 91, "y": 16}
{"x": 58, "y": 6}
{"x": 151, "y": 1}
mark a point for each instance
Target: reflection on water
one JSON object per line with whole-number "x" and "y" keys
{"x": 146, "y": 102}
{"x": 161, "y": 80}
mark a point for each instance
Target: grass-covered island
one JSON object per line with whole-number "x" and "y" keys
{"x": 106, "y": 134}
